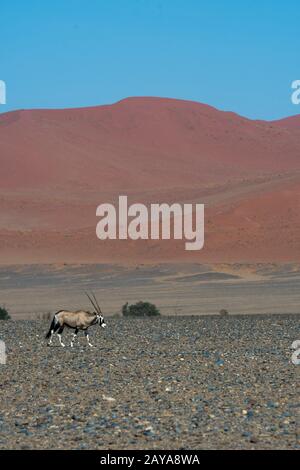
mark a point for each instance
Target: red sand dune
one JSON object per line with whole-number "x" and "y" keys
{"x": 292, "y": 122}
{"x": 58, "y": 165}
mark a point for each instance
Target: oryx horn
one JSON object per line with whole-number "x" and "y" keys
{"x": 99, "y": 309}
{"x": 92, "y": 302}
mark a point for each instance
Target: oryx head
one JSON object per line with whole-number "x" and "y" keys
{"x": 100, "y": 320}
{"x": 99, "y": 317}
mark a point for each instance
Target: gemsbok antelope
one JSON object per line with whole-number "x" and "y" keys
{"x": 80, "y": 320}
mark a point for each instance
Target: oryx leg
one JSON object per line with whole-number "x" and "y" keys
{"x": 59, "y": 333}
{"x": 54, "y": 330}
{"x": 50, "y": 340}
{"x": 87, "y": 338}
{"x": 74, "y": 336}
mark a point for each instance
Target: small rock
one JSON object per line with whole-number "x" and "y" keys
{"x": 109, "y": 399}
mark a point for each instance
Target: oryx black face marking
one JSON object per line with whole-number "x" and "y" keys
{"x": 79, "y": 320}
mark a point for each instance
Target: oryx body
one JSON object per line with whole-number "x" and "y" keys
{"x": 79, "y": 320}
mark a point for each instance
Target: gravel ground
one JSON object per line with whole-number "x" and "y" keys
{"x": 167, "y": 383}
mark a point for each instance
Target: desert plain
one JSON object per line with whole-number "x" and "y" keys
{"x": 184, "y": 382}
{"x": 190, "y": 379}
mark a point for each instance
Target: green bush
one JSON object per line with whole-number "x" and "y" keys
{"x": 140, "y": 309}
{"x": 4, "y": 314}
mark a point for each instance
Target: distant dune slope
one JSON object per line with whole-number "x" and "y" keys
{"x": 58, "y": 165}
{"x": 292, "y": 122}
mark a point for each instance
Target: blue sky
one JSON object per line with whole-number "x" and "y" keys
{"x": 240, "y": 56}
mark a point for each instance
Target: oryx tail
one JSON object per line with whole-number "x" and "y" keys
{"x": 53, "y": 327}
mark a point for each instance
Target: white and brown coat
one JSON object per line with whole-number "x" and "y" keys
{"x": 78, "y": 320}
